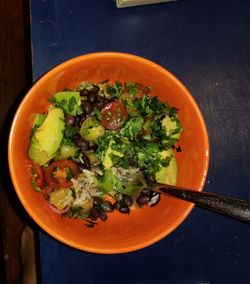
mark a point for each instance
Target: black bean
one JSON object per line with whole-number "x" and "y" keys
{"x": 128, "y": 200}
{"x": 155, "y": 199}
{"x": 119, "y": 204}
{"x": 92, "y": 97}
{"x": 124, "y": 210}
{"x": 101, "y": 99}
{"x": 82, "y": 143}
{"x": 86, "y": 163}
{"x": 93, "y": 94}
{"x": 94, "y": 213}
{"x": 142, "y": 199}
{"x": 87, "y": 107}
{"x": 98, "y": 105}
{"x": 93, "y": 147}
{"x": 118, "y": 197}
{"x": 69, "y": 119}
{"x": 133, "y": 162}
{"x": 103, "y": 215}
{"x": 147, "y": 192}
{"x": 84, "y": 92}
{"x": 106, "y": 101}
{"x": 151, "y": 178}
{"x": 111, "y": 100}
{"x": 95, "y": 89}
{"x": 107, "y": 206}
{"x": 79, "y": 119}
{"x": 97, "y": 201}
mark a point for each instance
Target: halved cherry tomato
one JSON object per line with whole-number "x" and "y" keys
{"x": 37, "y": 175}
{"x": 59, "y": 174}
{"x": 114, "y": 114}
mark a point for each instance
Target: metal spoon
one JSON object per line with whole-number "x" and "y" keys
{"x": 236, "y": 208}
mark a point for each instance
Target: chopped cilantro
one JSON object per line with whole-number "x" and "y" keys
{"x": 115, "y": 90}
{"x": 148, "y": 155}
{"x": 70, "y": 133}
{"x": 132, "y": 127}
{"x": 71, "y": 104}
{"x": 98, "y": 113}
{"x": 132, "y": 88}
{"x": 76, "y": 212}
{"x": 38, "y": 120}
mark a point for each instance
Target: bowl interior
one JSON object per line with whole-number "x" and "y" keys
{"x": 142, "y": 227}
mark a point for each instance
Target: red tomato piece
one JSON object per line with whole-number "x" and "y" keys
{"x": 37, "y": 174}
{"x": 59, "y": 174}
{"x": 114, "y": 114}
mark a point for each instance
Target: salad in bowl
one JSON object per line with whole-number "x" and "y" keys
{"x": 99, "y": 148}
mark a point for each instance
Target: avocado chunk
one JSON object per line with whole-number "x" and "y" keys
{"x": 168, "y": 175}
{"x": 107, "y": 161}
{"x": 69, "y": 101}
{"x": 65, "y": 152}
{"x": 46, "y": 140}
{"x": 36, "y": 153}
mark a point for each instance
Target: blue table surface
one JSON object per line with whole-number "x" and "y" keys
{"x": 206, "y": 44}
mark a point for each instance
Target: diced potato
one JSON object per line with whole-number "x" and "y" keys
{"x": 61, "y": 198}
{"x": 92, "y": 157}
{"x": 87, "y": 206}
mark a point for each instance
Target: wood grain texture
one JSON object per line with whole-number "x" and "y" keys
{"x": 14, "y": 78}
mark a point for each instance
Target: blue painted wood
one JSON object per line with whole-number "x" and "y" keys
{"x": 206, "y": 44}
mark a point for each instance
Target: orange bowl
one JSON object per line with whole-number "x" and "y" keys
{"x": 142, "y": 227}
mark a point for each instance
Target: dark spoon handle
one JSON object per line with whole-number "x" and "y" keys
{"x": 236, "y": 208}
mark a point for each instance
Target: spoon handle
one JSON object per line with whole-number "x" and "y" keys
{"x": 236, "y": 208}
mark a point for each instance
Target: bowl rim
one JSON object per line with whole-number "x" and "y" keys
{"x": 64, "y": 65}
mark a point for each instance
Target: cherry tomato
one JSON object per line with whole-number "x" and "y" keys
{"x": 114, "y": 114}
{"x": 59, "y": 174}
{"x": 37, "y": 174}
